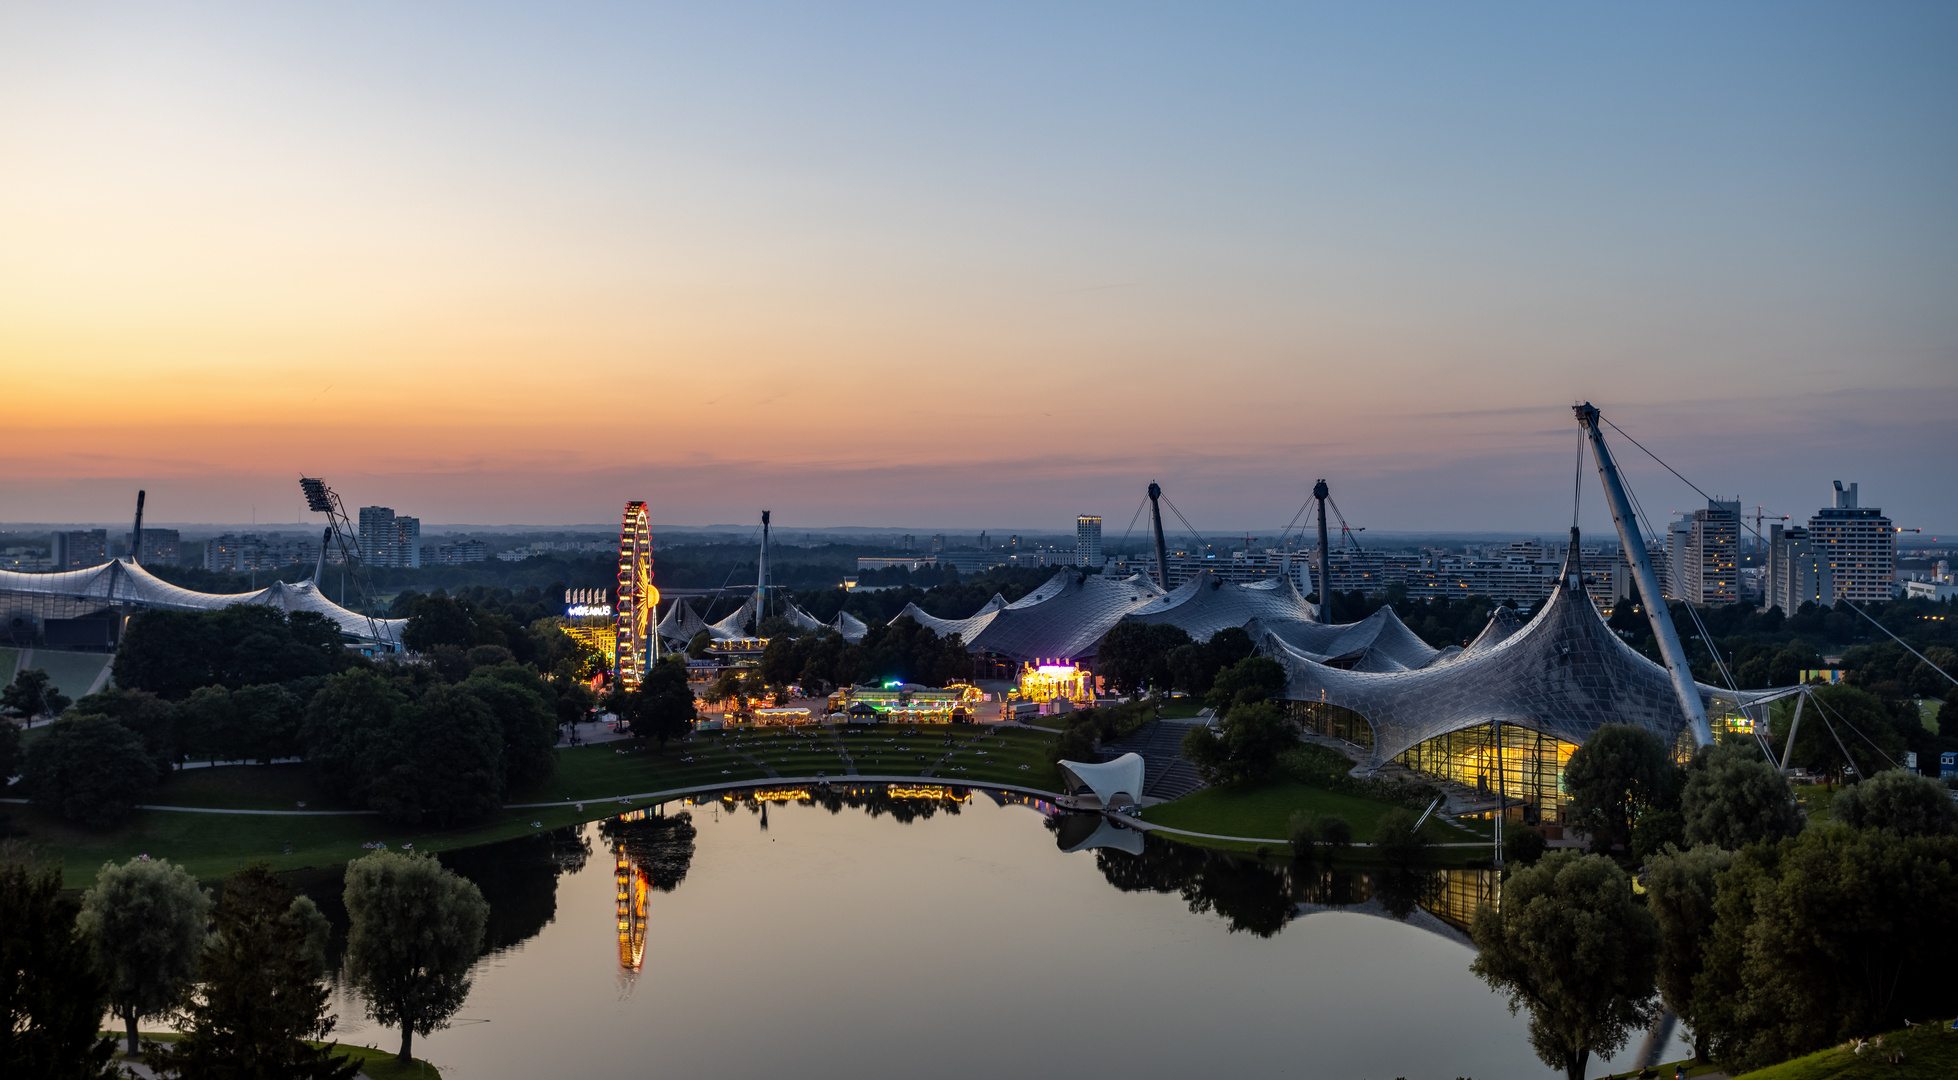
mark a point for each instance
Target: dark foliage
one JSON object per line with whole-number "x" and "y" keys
{"x": 51, "y": 999}
{"x": 1246, "y": 749}
{"x": 172, "y": 653}
{"x": 1832, "y": 934}
{"x": 90, "y": 770}
{"x": 1619, "y": 773}
{"x": 32, "y": 694}
{"x": 261, "y": 995}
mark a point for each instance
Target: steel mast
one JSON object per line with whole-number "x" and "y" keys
{"x": 1321, "y": 492}
{"x": 1648, "y": 582}
{"x": 1156, "y": 522}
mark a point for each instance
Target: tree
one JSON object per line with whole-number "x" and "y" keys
{"x": 1397, "y": 840}
{"x": 51, "y": 999}
{"x": 1899, "y": 802}
{"x": 1679, "y": 891}
{"x": 1816, "y": 742}
{"x": 445, "y": 763}
{"x": 1135, "y": 656}
{"x": 1831, "y": 934}
{"x": 1621, "y": 771}
{"x": 89, "y": 769}
{"x": 32, "y": 694}
{"x": 145, "y": 924}
{"x": 1250, "y": 680}
{"x": 11, "y": 754}
{"x": 1570, "y": 942}
{"x": 171, "y": 653}
{"x": 522, "y": 705}
{"x": 1733, "y": 797}
{"x": 260, "y": 997}
{"x": 352, "y": 729}
{"x": 439, "y": 619}
{"x": 1656, "y": 829}
{"x": 1523, "y": 846}
{"x": 663, "y": 707}
{"x": 149, "y": 716}
{"x": 1246, "y": 749}
{"x": 416, "y": 929}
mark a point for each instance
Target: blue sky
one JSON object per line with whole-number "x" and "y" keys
{"x": 957, "y": 266}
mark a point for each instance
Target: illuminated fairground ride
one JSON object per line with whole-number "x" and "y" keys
{"x": 634, "y": 885}
{"x": 638, "y": 600}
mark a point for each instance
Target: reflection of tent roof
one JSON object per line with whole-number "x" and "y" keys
{"x": 1379, "y": 642}
{"x": 1087, "y": 832}
{"x": 121, "y": 583}
{"x": 1120, "y": 779}
{"x": 1564, "y": 674}
{"x": 681, "y": 623}
{"x": 1065, "y": 618}
{"x": 1207, "y": 603}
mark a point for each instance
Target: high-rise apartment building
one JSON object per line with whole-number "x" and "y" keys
{"x": 1860, "y": 545}
{"x": 80, "y": 549}
{"x": 1087, "y": 540}
{"x": 1703, "y": 555}
{"x": 160, "y": 547}
{"x": 388, "y": 539}
{"x": 1797, "y": 572}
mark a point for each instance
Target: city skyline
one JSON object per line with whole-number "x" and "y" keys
{"x": 982, "y": 266}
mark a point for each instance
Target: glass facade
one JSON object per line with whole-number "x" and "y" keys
{"x": 1331, "y": 720}
{"x": 1513, "y": 761}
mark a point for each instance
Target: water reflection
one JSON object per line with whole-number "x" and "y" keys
{"x": 952, "y": 902}
{"x": 651, "y": 852}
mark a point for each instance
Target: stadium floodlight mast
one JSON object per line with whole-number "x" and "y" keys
{"x": 1650, "y": 597}
{"x": 321, "y": 499}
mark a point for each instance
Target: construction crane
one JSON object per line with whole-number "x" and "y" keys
{"x": 321, "y": 499}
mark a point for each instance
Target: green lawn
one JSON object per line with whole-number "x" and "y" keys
{"x": 376, "y": 1063}
{"x": 73, "y": 672}
{"x": 1930, "y": 1050}
{"x": 1927, "y": 715}
{"x": 1266, "y": 811}
{"x": 1815, "y": 800}
{"x": 1183, "y": 708}
{"x": 213, "y": 845}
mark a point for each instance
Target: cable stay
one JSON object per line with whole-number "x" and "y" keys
{"x": 1201, "y": 542}
{"x": 1851, "y": 604}
{"x": 1133, "y": 518}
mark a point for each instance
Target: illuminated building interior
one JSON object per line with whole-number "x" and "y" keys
{"x": 1344, "y": 724}
{"x": 1513, "y": 761}
{"x": 638, "y": 599}
{"x": 1453, "y": 895}
{"x": 1045, "y": 681}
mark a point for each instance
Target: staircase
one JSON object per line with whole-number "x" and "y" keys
{"x": 1166, "y": 775}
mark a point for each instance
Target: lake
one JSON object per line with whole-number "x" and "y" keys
{"x": 884, "y": 937}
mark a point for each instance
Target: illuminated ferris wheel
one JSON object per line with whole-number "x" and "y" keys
{"x": 638, "y": 604}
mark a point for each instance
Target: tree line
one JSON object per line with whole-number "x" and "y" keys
{"x": 241, "y": 974}
{"x": 1768, "y": 936}
{"x": 440, "y": 743}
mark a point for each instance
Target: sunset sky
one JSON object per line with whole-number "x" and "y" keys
{"x": 985, "y": 265}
